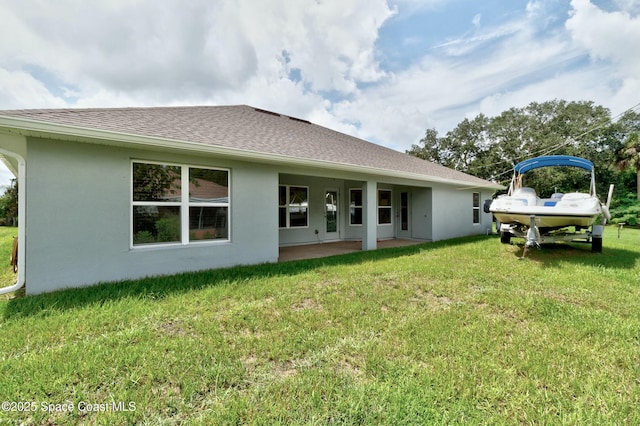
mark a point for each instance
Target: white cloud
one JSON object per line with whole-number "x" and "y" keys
{"x": 611, "y": 39}
{"x": 468, "y": 44}
{"x": 410, "y": 7}
{"x": 476, "y": 20}
{"x": 630, "y": 6}
{"x": 608, "y": 36}
{"x": 315, "y": 59}
{"x": 446, "y": 86}
{"x": 569, "y": 86}
{"x": 155, "y": 52}
{"x": 274, "y": 54}
{"x": 498, "y": 67}
{"x": 19, "y": 90}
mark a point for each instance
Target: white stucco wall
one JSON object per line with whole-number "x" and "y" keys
{"x": 78, "y": 220}
{"x": 421, "y": 214}
{"x": 316, "y": 213}
{"x": 453, "y": 212}
{"x": 317, "y": 187}
{"x": 13, "y": 144}
{"x": 79, "y": 217}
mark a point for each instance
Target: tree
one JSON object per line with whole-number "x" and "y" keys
{"x": 9, "y": 203}
{"x": 430, "y": 148}
{"x": 629, "y": 155}
{"x": 458, "y": 149}
{"x": 469, "y": 141}
{"x": 154, "y": 181}
{"x": 490, "y": 147}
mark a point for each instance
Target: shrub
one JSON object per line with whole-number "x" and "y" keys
{"x": 168, "y": 229}
{"x": 143, "y": 237}
{"x": 626, "y": 209}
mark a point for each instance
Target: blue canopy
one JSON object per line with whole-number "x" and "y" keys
{"x": 553, "y": 160}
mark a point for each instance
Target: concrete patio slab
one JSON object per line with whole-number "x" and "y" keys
{"x": 313, "y": 251}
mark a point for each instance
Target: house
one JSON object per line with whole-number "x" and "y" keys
{"x": 101, "y": 194}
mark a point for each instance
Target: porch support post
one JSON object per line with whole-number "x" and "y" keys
{"x": 369, "y": 221}
{"x": 22, "y": 221}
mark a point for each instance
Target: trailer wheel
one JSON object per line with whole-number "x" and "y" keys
{"x": 505, "y": 237}
{"x": 596, "y": 245}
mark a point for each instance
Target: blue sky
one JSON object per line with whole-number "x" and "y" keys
{"x": 382, "y": 70}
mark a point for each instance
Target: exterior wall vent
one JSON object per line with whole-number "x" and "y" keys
{"x": 264, "y": 111}
{"x": 300, "y": 120}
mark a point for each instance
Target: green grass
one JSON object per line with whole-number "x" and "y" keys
{"x": 460, "y": 331}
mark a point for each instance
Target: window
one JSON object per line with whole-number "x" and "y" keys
{"x": 476, "y": 207}
{"x": 293, "y": 206}
{"x": 163, "y": 213}
{"x": 384, "y": 207}
{"x": 355, "y": 206}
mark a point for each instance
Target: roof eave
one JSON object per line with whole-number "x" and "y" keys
{"x": 28, "y": 127}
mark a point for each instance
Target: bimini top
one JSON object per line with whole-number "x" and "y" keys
{"x": 553, "y": 160}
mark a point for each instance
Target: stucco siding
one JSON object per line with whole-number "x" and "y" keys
{"x": 453, "y": 213}
{"x": 78, "y": 226}
{"x": 315, "y": 232}
{"x": 421, "y": 214}
{"x": 13, "y": 144}
{"x": 78, "y": 221}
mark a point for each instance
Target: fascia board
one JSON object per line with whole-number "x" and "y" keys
{"x": 28, "y": 127}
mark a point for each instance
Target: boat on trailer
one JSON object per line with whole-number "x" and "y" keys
{"x": 522, "y": 213}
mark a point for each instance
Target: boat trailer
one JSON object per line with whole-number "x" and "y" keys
{"x": 534, "y": 238}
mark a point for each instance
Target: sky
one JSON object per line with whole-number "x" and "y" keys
{"x": 381, "y": 70}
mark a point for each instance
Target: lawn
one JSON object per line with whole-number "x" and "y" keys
{"x": 460, "y": 331}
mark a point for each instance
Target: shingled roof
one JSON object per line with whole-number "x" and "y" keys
{"x": 242, "y": 128}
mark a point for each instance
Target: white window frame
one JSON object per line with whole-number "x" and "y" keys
{"x": 287, "y": 206}
{"x": 389, "y": 207}
{"x": 475, "y": 208}
{"x": 184, "y": 205}
{"x": 355, "y": 206}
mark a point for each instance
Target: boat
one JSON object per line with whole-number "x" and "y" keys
{"x": 522, "y": 213}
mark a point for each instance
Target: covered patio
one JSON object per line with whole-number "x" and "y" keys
{"x": 313, "y": 251}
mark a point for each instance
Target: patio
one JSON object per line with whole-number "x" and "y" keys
{"x": 312, "y": 251}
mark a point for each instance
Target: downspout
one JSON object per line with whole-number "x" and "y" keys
{"x": 21, "y": 222}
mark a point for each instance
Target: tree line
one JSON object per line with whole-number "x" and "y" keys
{"x": 489, "y": 147}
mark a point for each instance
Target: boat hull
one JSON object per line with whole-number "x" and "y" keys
{"x": 544, "y": 220}
{"x": 573, "y": 210}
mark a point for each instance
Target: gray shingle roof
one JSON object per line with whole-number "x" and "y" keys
{"x": 246, "y": 128}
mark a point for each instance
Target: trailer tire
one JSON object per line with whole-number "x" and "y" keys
{"x": 596, "y": 245}
{"x": 505, "y": 237}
